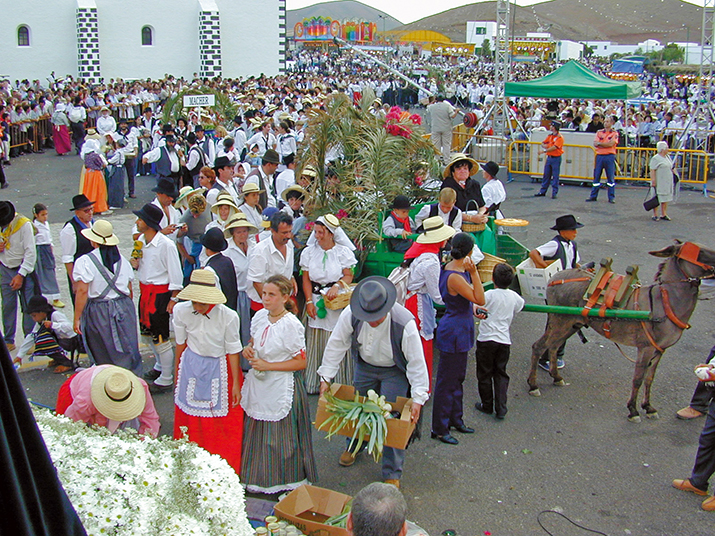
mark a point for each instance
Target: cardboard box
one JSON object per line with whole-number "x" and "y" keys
{"x": 307, "y": 507}
{"x": 399, "y": 430}
{"x": 532, "y": 280}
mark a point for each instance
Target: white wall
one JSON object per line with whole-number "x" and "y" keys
{"x": 53, "y": 44}
{"x": 568, "y": 50}
{"x": 488, "y": 27}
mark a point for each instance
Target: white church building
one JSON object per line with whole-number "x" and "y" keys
{"x": 128, "y": 39}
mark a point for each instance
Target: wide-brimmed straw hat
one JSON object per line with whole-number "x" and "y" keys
{"x": 238, "y": 221}
{"x": 373, "y": 298}
{"x": 330, "y": 221}
{"x": 118, "y": 394}
{"x": 251, "y": 188}
{"x": 459, "y": 157}
{"x": 202, "y": 288}
{"x": 226, "y": 200}
{"x": 435, "y": 231}
{"x": 293, "y": 188}
{"x": 309, "y": 171}
{"x": 185, "y": 193}
{"x": 102, "y": 233}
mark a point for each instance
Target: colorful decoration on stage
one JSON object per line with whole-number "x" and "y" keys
{"x": 325, "y": 28}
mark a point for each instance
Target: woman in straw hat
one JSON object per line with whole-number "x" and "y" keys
{"x": 278, "y": 450}
{"x": 109, "y": 396}
{"x": 239, "y": 248}
{"x": 423, "y": 258}
{"x": 250, "y": 207}
{"x": 460, "y": 287}
{"x": 327, "y": 264}
{"x": 104, "y": 311}
{"x": 457, "y": 175}
{"x": 223, "y": 210}
{"x": 208, "y": 388}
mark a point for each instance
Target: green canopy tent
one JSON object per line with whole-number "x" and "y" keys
{"x": 574, "y": 81}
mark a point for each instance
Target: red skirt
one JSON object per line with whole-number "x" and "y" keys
{"x": 64, "y": 397}
{"x": 411, "y": 305}
{"x": 217, "y": 435}
{"x": 61, "y": 137}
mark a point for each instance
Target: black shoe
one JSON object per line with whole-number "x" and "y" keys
{"x": 554, "y": 196}
{"x": 158, "y": 389}
{"x": 539, "y": 195}
{"x": 447, "y": 438}
{"x": 480, "y": 407}
{"x": 152, "y": 375}
{"x": 464, "y": 429}
{"x": 500, "y": 416}
{"x": 591, "y": 200}
{"x": 4, "y": 185}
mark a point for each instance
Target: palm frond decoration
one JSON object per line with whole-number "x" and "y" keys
{"x": 222, "y": 113}
{"x": 364, "y": 160}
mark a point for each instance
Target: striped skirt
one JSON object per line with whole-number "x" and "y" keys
{"x": 278, "y": 456}
{"x": 316, "y": 340}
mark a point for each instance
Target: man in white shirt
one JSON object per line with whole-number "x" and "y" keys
{"x": 17, "y": 266}
{"x": 272, "y": 257}
{"x": 441, "y": 115}
{"x": 224, "y": 182}
{"x": 383, "y": 339}
{"x": 160, "y": 280}
{"x": 263, "y": 176}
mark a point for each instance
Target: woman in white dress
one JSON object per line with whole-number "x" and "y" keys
{"x": 661, "y": 179}
{"x": 277, "y": 444}
{"x": 327, "y": 260}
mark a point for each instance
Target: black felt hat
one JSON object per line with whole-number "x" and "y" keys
{"x": 80, "y": 201}
{"x": 167, "y": 187}
{"x": 567, "y": 223}
{"x": 401, "y": 202}
{"x": 214, "y": 240}
{"x": 490, "y": 167}
{"x": 151, "y": 215}
{"x": 7, "y": 213}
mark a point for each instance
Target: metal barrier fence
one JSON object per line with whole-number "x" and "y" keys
{"x": 31, "y": 133}
{"x": 632, "y": 163}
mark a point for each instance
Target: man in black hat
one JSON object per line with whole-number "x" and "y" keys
{"x": 563, "y": 249}
{"x": 166, "y": 193}
{"x": 17, "y": 267}
{"x": 493, "y": 191}
{"x": 207, "y": 146}
{"x": 394, "y": 369}
{"x": 196, "y": 158}
{"x": 263, "y": 176}
{"x": 215, "y": 242}
{"x": 238, "y": 134}
{"x": 168, "y": 160}
{"x": 160, "y": 280}
{"x": 553, "y": 148}
{"x": 74, "y": 243}
{"x": 224, "y": 181}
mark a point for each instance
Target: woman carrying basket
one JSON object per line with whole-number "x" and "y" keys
{"x": 327, "y": 263}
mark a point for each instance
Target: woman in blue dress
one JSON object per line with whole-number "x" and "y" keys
{"x": 460, "y": 287}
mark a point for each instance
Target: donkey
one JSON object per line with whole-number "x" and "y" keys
{"x": 671, "y": 298}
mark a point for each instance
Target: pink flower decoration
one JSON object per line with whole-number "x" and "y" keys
{"x": 416, "y": 119}
{"x": 341, "y": 214}
{"x": 309, "y": 226}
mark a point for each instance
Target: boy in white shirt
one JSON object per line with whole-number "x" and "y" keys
{"x": 494, "y": 342}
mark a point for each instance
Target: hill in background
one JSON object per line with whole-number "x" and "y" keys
{"x": 344, "y": 10}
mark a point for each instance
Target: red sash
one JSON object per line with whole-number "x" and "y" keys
{"x": 147, "y": 301}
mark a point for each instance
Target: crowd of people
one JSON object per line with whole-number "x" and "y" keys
{"x": 220, "y": 262}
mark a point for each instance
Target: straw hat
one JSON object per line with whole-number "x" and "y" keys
{"x": 226, "y": 200}
{"x": 309, "y": 171}
{"x": 238, "y": 221}
{"x": 185, "y": 193}
{"x": 251, "y": 188}
{"x": 435, "y": 231}
{"x": 102, "y": 233}
{"x": 118, "y": 394}
{"x": 202, "y": 288}
{"x": 293, "y": 188}
{"x": 330, "y": 221}
{"x": 459, "y": 157}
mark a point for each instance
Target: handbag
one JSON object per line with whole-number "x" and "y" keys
{"x": 652, "y": 202}
{"x": 676, "y": 179}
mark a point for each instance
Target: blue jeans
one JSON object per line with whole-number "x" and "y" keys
{"x": 552, "y": 172}
{"x": 390, "y": 382}
{"x": 9, "y": 302}
{"x": 605, "y": 162}
{"x": 705, "y": 458}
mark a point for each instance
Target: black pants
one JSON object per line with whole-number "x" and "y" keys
{"x": 78, "y": 134}
{"x": 447, "y": 408}
{"x": 492, "y": 379}
{"x": 703, "y": 393}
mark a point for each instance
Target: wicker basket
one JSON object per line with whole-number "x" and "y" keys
{"x": 342, "y": 300}
{"x": 469, "y": 227}
{"x": 486, "y": 267}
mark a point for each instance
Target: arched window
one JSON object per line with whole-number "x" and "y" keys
{"x": 23, "y": 36}
{"x": 147, "y": 36}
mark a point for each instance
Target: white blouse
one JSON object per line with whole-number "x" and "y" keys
{"x": 213, "y": 335}
{"x": 268, "y": 396}
{"x": 87, "y": 272}
{"x": 43, "y": 237}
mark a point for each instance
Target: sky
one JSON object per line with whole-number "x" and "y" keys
{"x": 412, "y": 10}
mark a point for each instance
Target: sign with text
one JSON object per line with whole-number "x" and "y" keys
{"x": 192, "y": 101}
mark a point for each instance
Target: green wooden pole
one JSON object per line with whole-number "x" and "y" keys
{"x": 576, "y": 311}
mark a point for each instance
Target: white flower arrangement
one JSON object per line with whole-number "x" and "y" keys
{"x": 127, "y": 484}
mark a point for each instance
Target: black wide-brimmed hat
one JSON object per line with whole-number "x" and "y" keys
{"x": 39, "y": 304}
{"x": 490, "y": 167}
{"x": 373, "y": 298}
{"x": 167, "y": 187}
{"x": 222, "y": 162}
{"x": 566, "y": 223}
{"x": 214, "y": 240}
{"x": 7, "y": 213}
{"x": 151, "y": 215}
{"x": 271, "y": 157}
{"x": 80, "y": 201}
{"x": 401, "y": 202}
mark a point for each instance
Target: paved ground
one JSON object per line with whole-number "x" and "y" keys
{"x": 571, "y": 450}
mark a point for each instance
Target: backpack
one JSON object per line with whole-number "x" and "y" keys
{"x": 400, "y": 276}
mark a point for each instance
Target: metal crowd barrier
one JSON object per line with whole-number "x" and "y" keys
{"x": 34, "y": 133}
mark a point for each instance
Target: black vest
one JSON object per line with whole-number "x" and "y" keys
{"x": 201, "y": 163}
{"x": 561, "y": 252}
{"x": 263, "y": 197}
{"x": 399, "y": 317}
{"x": 163, "y": 165}
{"x": 223, "y": 266}
{"x": 433, "y": 211}
{"x": 83, "y": 243}
{"x": 400, "y": 245}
